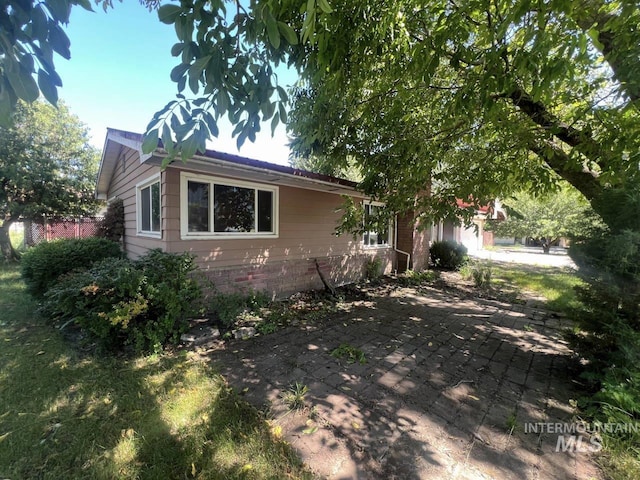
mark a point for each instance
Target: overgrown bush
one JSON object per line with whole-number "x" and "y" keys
{"x": 142, "y": 303}
{"x": 112, "y": 225}
{"x": 608, "y": 337}
{"x": 447, "y": 254}
{"x": 42, "y": 264}
{"x": 479, "y": 272}
{"x": 229, "y": 307}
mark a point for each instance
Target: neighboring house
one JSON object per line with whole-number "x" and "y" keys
{"x": 251, "y": 224}
{"x": 474, "y": 237}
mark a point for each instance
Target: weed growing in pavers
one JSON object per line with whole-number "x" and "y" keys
{"x": 350, "y": 353}
{"x": 512, "y": 422}
{"x": 294, "y": 396}
{"x": 528, "y": 328}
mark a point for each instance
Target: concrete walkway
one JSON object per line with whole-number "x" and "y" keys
{"x": 451, "y": 389}
{"x": 557, "y": 257}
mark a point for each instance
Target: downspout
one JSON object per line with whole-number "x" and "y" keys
{"x": 395, "y": 242}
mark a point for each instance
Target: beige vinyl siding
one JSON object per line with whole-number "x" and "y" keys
{"x": 307, "y": 221}
{"x": 123, "y": 185}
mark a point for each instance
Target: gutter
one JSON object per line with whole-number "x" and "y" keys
{"x": 204, "y": 160}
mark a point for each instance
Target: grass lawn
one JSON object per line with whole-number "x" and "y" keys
{"x": 17, "y": 239}
{"x": 63, "y": 415}
{"x": 554, "y": 284}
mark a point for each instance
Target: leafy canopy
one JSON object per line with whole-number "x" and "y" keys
{"x": 47, "y": 166}
{"x": 564, "y": 213}
{"x": 31, "y": 35}
{"x": 475, "y": 98}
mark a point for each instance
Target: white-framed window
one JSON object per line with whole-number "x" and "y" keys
{"x": 149, "y": 207}
{"x": 373, "y": 238}
{"x": 213, "y": 207}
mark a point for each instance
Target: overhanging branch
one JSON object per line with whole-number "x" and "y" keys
{"x": 586, "y": 181}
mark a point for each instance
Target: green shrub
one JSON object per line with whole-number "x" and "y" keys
{"x": 373, "y": 268}
{"x": 228, "y": 307}
{"x": 479, "y": 272}
{"x": 43, "y": 264}
{"x": 112, "y": 225}
{"x": 448, "y": 255}
{"x": 142, "y": 303}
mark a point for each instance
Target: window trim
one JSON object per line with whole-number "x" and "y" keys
{"x": 390, "y": 231}
{"x": 148, "y": 182}
{"x": 212, "y": 180}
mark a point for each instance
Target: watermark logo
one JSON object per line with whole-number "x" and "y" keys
{"x": 580, "y": 437}
{"x": 578, "y": 444}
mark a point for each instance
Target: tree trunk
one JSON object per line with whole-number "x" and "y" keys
{"x": 9, "y": 254}
{"x": 546, "y": 245}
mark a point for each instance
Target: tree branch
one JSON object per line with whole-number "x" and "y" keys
{"x": 564, "y": 132}
{"x": 585, "y": 180}
{"x": 621, "y": 49}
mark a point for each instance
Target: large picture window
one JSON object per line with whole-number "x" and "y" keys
{"x": 213, "y": 207}
{"x": 374, "y": 238}
{"x": 149, "y": 207}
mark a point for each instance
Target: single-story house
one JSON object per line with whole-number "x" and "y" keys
{"x": 251, "y": 224}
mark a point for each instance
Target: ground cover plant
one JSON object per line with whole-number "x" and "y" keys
{"x": 80, "y": 416}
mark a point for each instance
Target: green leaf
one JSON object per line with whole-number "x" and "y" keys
{"x": 150, "y": 142}
{"x": 272, "y": 29}
{"x": 283, "y": 112}
{"x": 167, "y": 139}
{"x": 324, "y": 6}
{"x": 288, "y": 33}
{"x": 60, "y": 10}
{"x": 274, "y": 124}
{"x": 39, "y": 23}
{"x": 177, "y": 49}
{"x": 169, "y": 13}
{"x": 47, "y": 87}
{"x": 23, "y": 84}
{"x": 86, "y": 4}
{"x": 189, "y": 146}
{"x": 283, "y": 94}
{"x": 212, "y": 125}
{"x": 178, "y": 71}
{"x": 59, "y": 41}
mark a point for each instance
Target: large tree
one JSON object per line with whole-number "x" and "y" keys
{"x": 47, "y": 167}
{"x": 474, "y": 97}
{"x": 478, "y": 97}
{"x": 547, "y": 218}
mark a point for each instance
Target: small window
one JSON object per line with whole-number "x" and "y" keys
{"x": 149, "y": 207}
{"x": 373, "y": 238}
{"x": 218, "y": 207}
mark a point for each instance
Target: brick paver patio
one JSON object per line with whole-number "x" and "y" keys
{"x": 448, "y": 389}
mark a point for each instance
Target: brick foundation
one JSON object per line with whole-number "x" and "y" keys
{"x": 280, "y": 279}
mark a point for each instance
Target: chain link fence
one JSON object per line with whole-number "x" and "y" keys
{"x": 36, "y": 231}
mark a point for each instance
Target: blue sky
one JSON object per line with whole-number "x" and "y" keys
{"x": 118, "y": 76}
